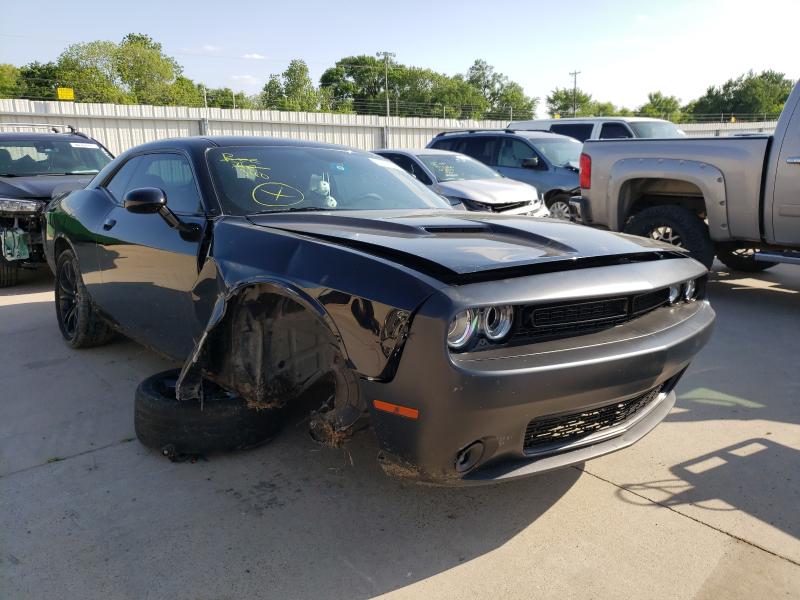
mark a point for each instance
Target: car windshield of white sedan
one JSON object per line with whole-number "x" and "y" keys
{"x": 564, "y": 152}
{"x": 262, "y": 179}
{"x": 455, "y": 167}
{"x": 27, "y": 158}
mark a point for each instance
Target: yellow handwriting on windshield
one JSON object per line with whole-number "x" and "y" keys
{"x": 277, "y": 194}
{"x": 246, "y": 168}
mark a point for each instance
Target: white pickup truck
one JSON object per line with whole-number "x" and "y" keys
{"x": 734, "y": 197}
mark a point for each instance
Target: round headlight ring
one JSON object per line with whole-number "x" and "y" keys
{"x": 674, "y": 293}
{"x": 690, "y": 290}
{"x": 497, "y": 321}
{"x": 462, "y": 329}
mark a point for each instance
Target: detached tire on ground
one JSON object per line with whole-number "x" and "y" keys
{"x": 222, "y": 423}
{"x": 741, "y": 259}
{"x": 675, "y": 225}
{"x": 9, "y": 273}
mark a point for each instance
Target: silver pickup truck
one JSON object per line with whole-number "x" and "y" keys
{"x": 737, "y": 198}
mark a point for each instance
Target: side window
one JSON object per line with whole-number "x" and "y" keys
{"x": 119, "y": 182}
{"x": 480, "y": 147}
{"x": 614, "y": 131}
{"x": 579, "y": 131}
{"x": 409, "y": 166}
{"x": 171, "y": 173}
{"x": 513, "y": 152}
{"x": 443, "y": 144}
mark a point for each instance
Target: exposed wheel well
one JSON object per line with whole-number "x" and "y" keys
{"x": 638, "y": 194}
{"x": 60, "y": 245}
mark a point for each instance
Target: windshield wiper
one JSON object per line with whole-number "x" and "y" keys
{"x": 296, "y": 209}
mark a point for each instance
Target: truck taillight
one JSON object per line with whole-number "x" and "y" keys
{"x": 586, "y": 171}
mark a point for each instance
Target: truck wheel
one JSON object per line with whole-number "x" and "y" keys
{"x": 558, "y": 206}
{"x": 675, "y": 225}
{"x": 9, "y": 273}
{"x": 77, "y": 319}
{"x": 221, "y": 422}
{"x": 741, "y": 259}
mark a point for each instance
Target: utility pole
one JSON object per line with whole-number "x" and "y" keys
{"x": 205, "y": 96}
{"x": 234, "y": 99}
{"x": 574, "y": 75}
{"x": 386, "y": 56}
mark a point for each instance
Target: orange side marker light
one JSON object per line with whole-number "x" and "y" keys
{"x": 396, "y": 409}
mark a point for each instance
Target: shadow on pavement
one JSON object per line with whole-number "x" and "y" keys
{"x": 749, "y": 476}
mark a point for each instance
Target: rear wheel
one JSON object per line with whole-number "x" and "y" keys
{"x": 558, "y": 205}
{"x": 77, "y": 319}
{"x": 677, "y": 226}
{"x": 9, "y": 273}
{"x": 742, "y": 259}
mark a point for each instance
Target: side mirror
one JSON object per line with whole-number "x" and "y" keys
{"x": 150, "y": 201}
{"x": 530, "y": 163}
{"x": 145, "y": 201}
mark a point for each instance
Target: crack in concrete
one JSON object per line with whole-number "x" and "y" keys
{"x": 695, "y": 519}
{"x": 60, "y": 459}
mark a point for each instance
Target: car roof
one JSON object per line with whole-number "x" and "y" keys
{"x": 199, "y": 143}
{"x": 583, "y": 120}
{"x": 40, "y": 136}
{"x": 416, "y": 151}
{"x": 530, "y": 134}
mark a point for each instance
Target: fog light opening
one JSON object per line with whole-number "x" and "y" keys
{"x": 469, "y": 457}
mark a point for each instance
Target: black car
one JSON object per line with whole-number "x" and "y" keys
{"x": 479, "y": 346}
{"x": 34, "y": 166}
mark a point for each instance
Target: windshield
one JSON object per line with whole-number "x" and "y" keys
{"x": 22, "y": 158}
{"x": 455, "y": 167}
{"x": 656, "y": 129}
{"x": 562, "y": 152}
{"x": 262, "y": 179}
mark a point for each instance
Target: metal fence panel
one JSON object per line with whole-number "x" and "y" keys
{"x": 120, "y": 127}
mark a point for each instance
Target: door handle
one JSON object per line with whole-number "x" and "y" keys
{"x": 109, "y": 224}
{"x": 793, "y": 160}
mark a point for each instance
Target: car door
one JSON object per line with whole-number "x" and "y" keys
{"x": 786, "y": 194}
{"x": 149, "y": 269}
{"x": 511, "y": 154}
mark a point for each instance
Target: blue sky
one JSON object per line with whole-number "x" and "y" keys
{"x": 623, "y": 49}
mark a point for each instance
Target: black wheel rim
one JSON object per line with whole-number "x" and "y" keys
{"x": 67, "y": 298}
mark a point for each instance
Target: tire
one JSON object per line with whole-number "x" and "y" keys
{"x": 9, "y": 273}
{"x": 78, "y": 321}
{"x": 222, "y": 423}
{"x": 558, "y": 205}
{"x": 675, "y": 225}
{"x": 738, "y": 258}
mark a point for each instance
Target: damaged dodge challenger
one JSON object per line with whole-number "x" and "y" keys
{"x": 478, "y": 346}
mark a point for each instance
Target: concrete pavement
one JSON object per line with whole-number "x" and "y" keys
{"x": 703, "y": 507}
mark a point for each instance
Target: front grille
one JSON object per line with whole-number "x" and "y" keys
{"x": 508, "y": 206}
{"x": 552, "y": 431}
{"x": 537, "y": 323}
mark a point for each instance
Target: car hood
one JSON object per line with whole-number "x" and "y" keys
{"x": 40, "y": 186}
{"x": 458, "y": 247}
{"x": 489, "y": 191}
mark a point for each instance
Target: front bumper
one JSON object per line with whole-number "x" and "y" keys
{"x": 491, "y": 396}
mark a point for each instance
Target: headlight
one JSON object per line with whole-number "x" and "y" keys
{"x": 690, "y": 290}
{"x": 497, "y": 321}
{"x": 674, "y": 293}
{"x": 10, "y": 205}
{"x": 462, "y": 329}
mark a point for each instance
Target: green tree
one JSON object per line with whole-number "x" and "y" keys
{"x": 357, "y": 82}
{"x": 224, "y": 98}
{"x": 661, "y": 106}
{"x": 502, "y": 95}
{"x": 561, "y": 100}
{"x": 143, "y": 70}
{"x": 298, "y": 89}
{"x": 89, "y": 68}
{"x": 38, "y": 81}
{"x": 185, "y": 92}
{"x": 9, "y": 79}
{"x": 752, "y": 94}
{"x": 272, "y": 96}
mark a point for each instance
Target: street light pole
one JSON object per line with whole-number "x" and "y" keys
{"x": 386, "y": 56}
{"x": 574, "y": 91}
